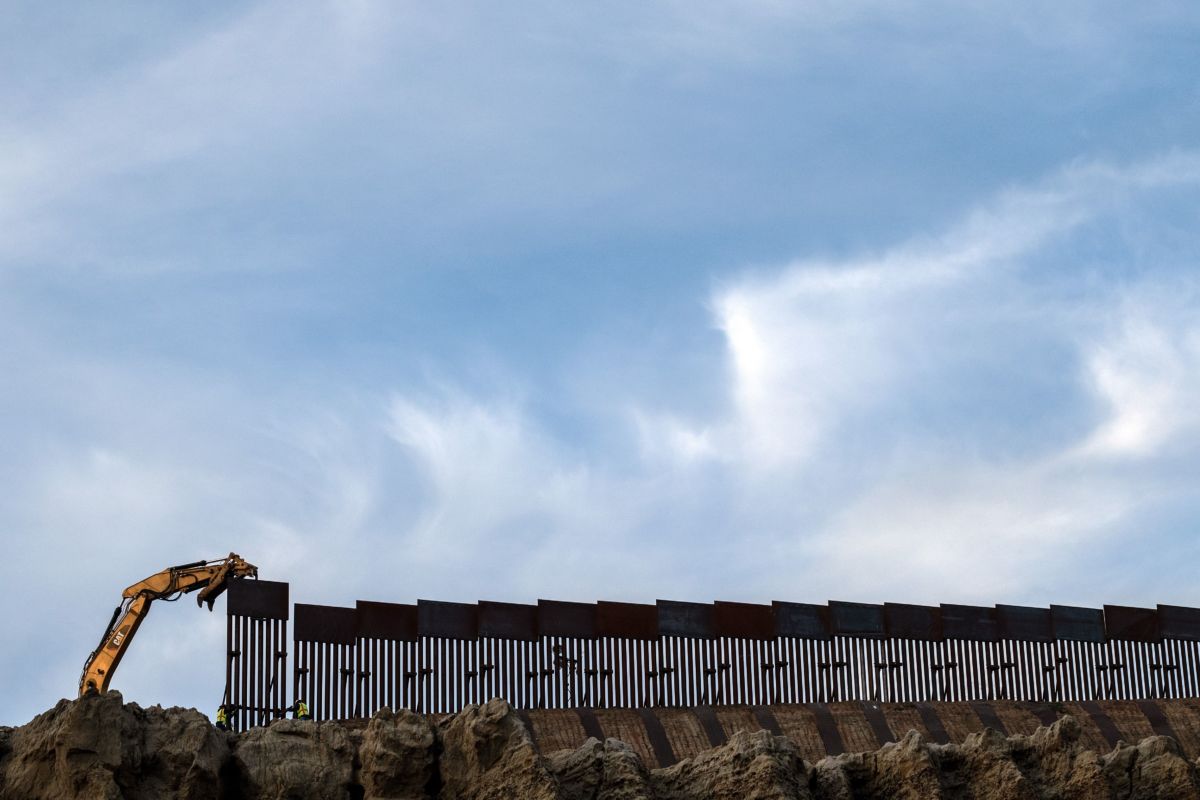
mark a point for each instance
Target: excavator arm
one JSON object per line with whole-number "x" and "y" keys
{"x": 210, "y": 578}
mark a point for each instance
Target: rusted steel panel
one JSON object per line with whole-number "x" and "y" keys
{"x": 905, "y": 621}
{"x": 627, "y": 620}
{"x": 970, "y": 623}
{"x": 512, "y": 621}
{"x": 331, "y": 624}
{"x": 801, "y": 620}
{"x": 447, "y": 620}
{"x": 743, "y": 620}
{"x": 864, "y": 620}
{"x": 395, "y": 622}
{"x": 257, "y": 599}
{"x": 1131, "y": 624}
{"x": 1075, "y": 624}
{"x": 558, "y": 618}
{"x": 685, "y": 619}
{"x": 1025, "y": 624}
{"x": 1179, "y": 622}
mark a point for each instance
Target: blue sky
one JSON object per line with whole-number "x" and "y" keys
{"x": 763, "y": 301}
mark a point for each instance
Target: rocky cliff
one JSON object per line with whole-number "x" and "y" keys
{"x": 100, "y": 748}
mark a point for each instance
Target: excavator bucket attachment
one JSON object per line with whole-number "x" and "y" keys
{"x": 234, "y": 568}
{"x": 210, "y": 593}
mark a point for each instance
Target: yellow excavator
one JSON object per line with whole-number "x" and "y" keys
{"x": 209, "y": 577}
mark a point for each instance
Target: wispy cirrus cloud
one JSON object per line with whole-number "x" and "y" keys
{"x": 1145, "y": 370}
{"x": 816, "y": 342}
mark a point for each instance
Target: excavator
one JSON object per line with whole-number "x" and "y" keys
{"x": 209, "y": 577}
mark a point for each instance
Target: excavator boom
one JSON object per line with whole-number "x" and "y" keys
{"x": 209, "y": 578}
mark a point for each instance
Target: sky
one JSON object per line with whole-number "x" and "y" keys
{"x": 695, "y": 301}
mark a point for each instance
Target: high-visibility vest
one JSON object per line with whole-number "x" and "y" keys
{"x": 302, "y": 709}
{"x": 221, "y": 718}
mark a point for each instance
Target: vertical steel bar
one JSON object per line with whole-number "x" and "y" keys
{"x": 268, "y": 629}
{"x": 260, "y": 672}
{"x": 272, "y": 665}
{"x": 243, "y": 699}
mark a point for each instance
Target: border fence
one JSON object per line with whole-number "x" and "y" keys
{"x": 434, "y": 657}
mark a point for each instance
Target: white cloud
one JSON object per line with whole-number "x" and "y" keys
{"x": 819, "y": 342}
{"x": 494, "y": 480}
{"x": 1147, "y": 372}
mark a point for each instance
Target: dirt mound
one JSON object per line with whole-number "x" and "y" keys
{"x": 100, "y": 748}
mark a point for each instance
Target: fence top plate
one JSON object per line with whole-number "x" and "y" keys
{"x": 1131, "y": 624}
{"x": 970, "y": 623}
{"x": 801, "y": 620}
{"x": 259, "y": 599}
{"x": 447, "y": 620}
{"x": 514, "y": 621}
{"x": 393, "y": 621}
{"x": 328, "y": 624}
{"x": 856, "y": 619}
{"x": 1077, "y": 624}
{"x": 906, "y": 621}
{"x": 1179, "y": 622}
{"x": 677, "y": 618}
{"x": 573, "y": 620}
{"x": 1025, "y": 624}
{"x": 743, "y": 620}
{"x": 626, "y": 620}
{"x": 401, "y": 622}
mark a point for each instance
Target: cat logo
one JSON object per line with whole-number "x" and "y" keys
{"x": 117, "y": 638}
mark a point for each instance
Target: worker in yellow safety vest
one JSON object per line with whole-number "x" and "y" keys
{"x": 222, "y": 718}
{"x": 299, "y": 710}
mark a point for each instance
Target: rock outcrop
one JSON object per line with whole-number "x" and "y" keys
{"x": 1154, "y": 768}
{"x": 987, "y": 766}
{"x": 100, "y": 748}
{"x": 608, "y": 770}
{"x": 487, "y": 754}
{"x": 398, "y": 757}
{"x": 756, "y": 765}
{"x": 293, "y": 760}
